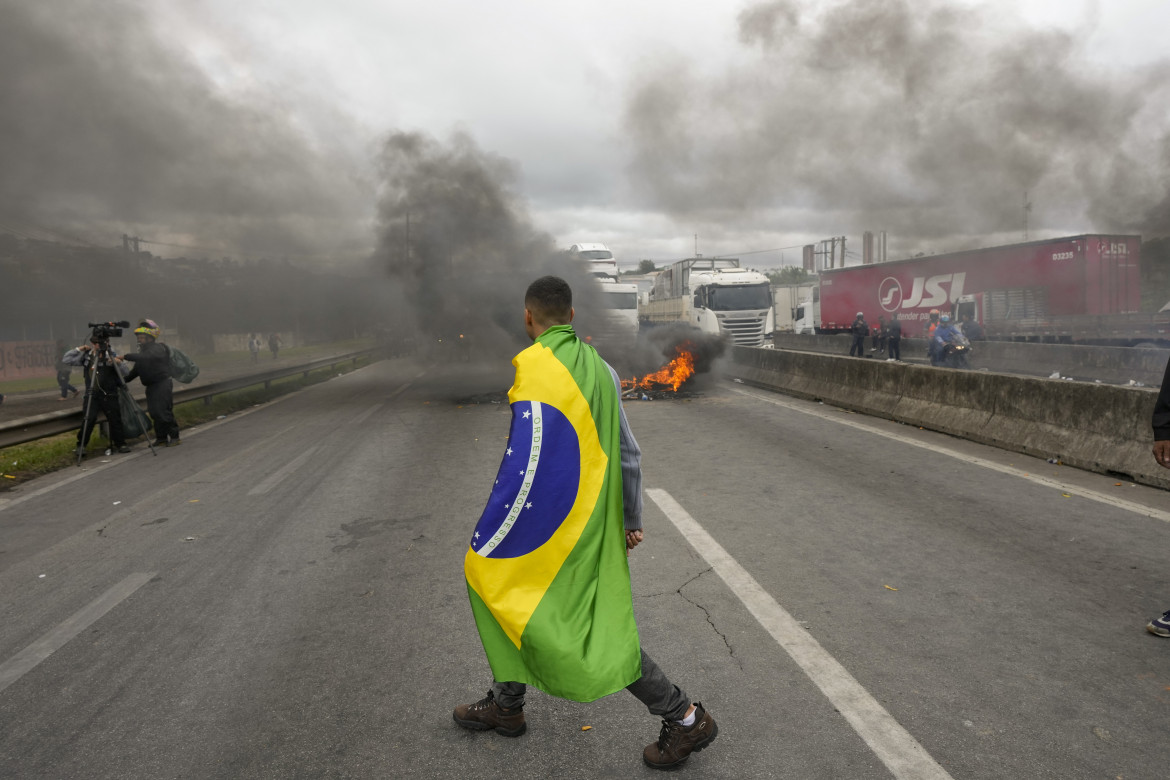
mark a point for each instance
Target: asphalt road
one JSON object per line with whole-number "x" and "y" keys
{"x": 282, "y": 597}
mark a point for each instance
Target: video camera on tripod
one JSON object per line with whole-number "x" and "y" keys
{"x": 102, "y": 332}
{"x": 126, "y": 409}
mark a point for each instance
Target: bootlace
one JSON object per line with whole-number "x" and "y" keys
{"x": 483, "y": 703}
{"x": 669, "y": 734}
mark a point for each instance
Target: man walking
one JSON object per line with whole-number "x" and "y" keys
{"x": 567, "y": 506}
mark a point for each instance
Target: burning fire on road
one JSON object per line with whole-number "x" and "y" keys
{"x": 668, "y": 379}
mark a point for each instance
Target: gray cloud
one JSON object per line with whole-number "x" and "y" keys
{"x": 105, "y": 127}
{"x": 923, "y": 119}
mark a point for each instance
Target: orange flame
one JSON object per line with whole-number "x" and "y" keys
{"x": 672, "y": 375}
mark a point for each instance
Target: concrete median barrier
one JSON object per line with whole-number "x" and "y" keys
{"x": 1102, "y": 428}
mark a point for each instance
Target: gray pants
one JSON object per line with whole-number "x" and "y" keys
{"x": 662, "y": 697}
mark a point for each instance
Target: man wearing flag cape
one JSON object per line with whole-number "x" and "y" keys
{"x": 547, "y": 570}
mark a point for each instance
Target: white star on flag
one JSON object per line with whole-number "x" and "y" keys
{"x": 526, "y": 414}
{"x": 528, "y": 505}
{"x": 509, "y": 452}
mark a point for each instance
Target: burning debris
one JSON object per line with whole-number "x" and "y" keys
{"x": 668, "y": 379}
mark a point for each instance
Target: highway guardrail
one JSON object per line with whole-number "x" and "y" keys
{"x": 42, "y": 425}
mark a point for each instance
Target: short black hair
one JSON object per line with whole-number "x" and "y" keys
{"x": 550, "y": 299}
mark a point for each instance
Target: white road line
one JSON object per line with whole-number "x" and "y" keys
{"x": 361, "y": 418}
{"x": 892, "y": 744}
{"x": 283, "y": 472}
{"x": 15, "y": 667}
{"x": 1073, "y": 490}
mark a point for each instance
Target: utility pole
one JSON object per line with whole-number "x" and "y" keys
{"x": 697, "y": 245}
{"x": 1027, "y": 210}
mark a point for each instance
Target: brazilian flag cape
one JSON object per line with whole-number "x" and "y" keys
{"x": 546, "y": 571}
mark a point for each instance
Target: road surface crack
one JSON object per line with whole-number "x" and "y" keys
{"x": 710, "y": 621}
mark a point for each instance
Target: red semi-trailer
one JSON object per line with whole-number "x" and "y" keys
{"x": 1080, "y": 289}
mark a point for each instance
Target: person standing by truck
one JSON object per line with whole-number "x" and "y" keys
{"x": 880, "y": 334}
{"x": 972, "y": 329}
{"x": 894, "y": 340}
{"x": 860, "y": 330}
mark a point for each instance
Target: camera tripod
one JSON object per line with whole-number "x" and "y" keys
{"x": 102, "y": 355}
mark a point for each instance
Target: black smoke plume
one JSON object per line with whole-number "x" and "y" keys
{"x": 108, "y": 127}
{"x": 926, "y": 119}
{"x": 456, "y": 236}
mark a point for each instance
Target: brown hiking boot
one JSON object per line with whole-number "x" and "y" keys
{"x": 676, "y": 742}
{"x": 485, "y": 715}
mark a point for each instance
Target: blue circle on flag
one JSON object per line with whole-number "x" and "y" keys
{"x": 536, "y": 485}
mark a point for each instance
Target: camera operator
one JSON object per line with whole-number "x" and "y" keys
{"x": 102, "y": 393}
{"x": 152, "y": 365}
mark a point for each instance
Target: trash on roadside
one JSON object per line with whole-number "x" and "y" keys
{"x": 1054, "y": 375}
{"x": 737, "y": 380}
{"x": 222, "y": 417}
{"x": 189, "y": 539}
{"x": 117, "y": 502}
{"x": 889, "y": 587}
{"x": 586, "y": 728}
{"x": 1066, "y": 495}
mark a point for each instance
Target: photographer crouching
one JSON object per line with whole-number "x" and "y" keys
{"x": 152, "y": 365}
{"x": 101, "y": 390}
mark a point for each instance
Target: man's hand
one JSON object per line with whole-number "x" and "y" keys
{"x": 1161, "y": 454}
{"x": 633, "y": 538}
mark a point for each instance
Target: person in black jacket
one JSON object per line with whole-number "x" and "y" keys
{"x": 1160, "y": 626}
{"x": 102, "y": 394}
{"x": 894, "y": 339}
{"x": 860, "y": 330}
{"x": 152, "y": 365}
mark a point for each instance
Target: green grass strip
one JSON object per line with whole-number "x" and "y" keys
{"x": 26, "y": 461}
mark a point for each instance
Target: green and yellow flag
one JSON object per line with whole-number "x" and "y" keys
{"x": 546, "y": 571}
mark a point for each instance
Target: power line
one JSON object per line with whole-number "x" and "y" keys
{"x": 760, "y": 251}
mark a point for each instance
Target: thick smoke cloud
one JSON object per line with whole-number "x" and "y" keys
{"x": 923, "y": 118}
{"x": 457, "y": 238}
{"x": 105, "y": 127}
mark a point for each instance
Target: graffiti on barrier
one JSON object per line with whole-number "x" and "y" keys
{"x": 27, "y": 359}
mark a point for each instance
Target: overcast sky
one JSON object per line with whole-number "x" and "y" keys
{"x": 756, "y": 125}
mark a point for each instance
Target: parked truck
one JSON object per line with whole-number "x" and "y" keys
{"x": 786, "y": 302}
{"x": 1081, "y": 289}
{"x": 596, "y": 258}
{"x": 714, "y": 295}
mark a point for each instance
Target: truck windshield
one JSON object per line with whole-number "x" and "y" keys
{"x": 621, "y": 300}
{"x": 754, "y": 296}
{"x": 595, "y": 254}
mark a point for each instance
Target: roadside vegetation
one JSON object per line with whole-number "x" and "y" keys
{"x": 26, "y": 461}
